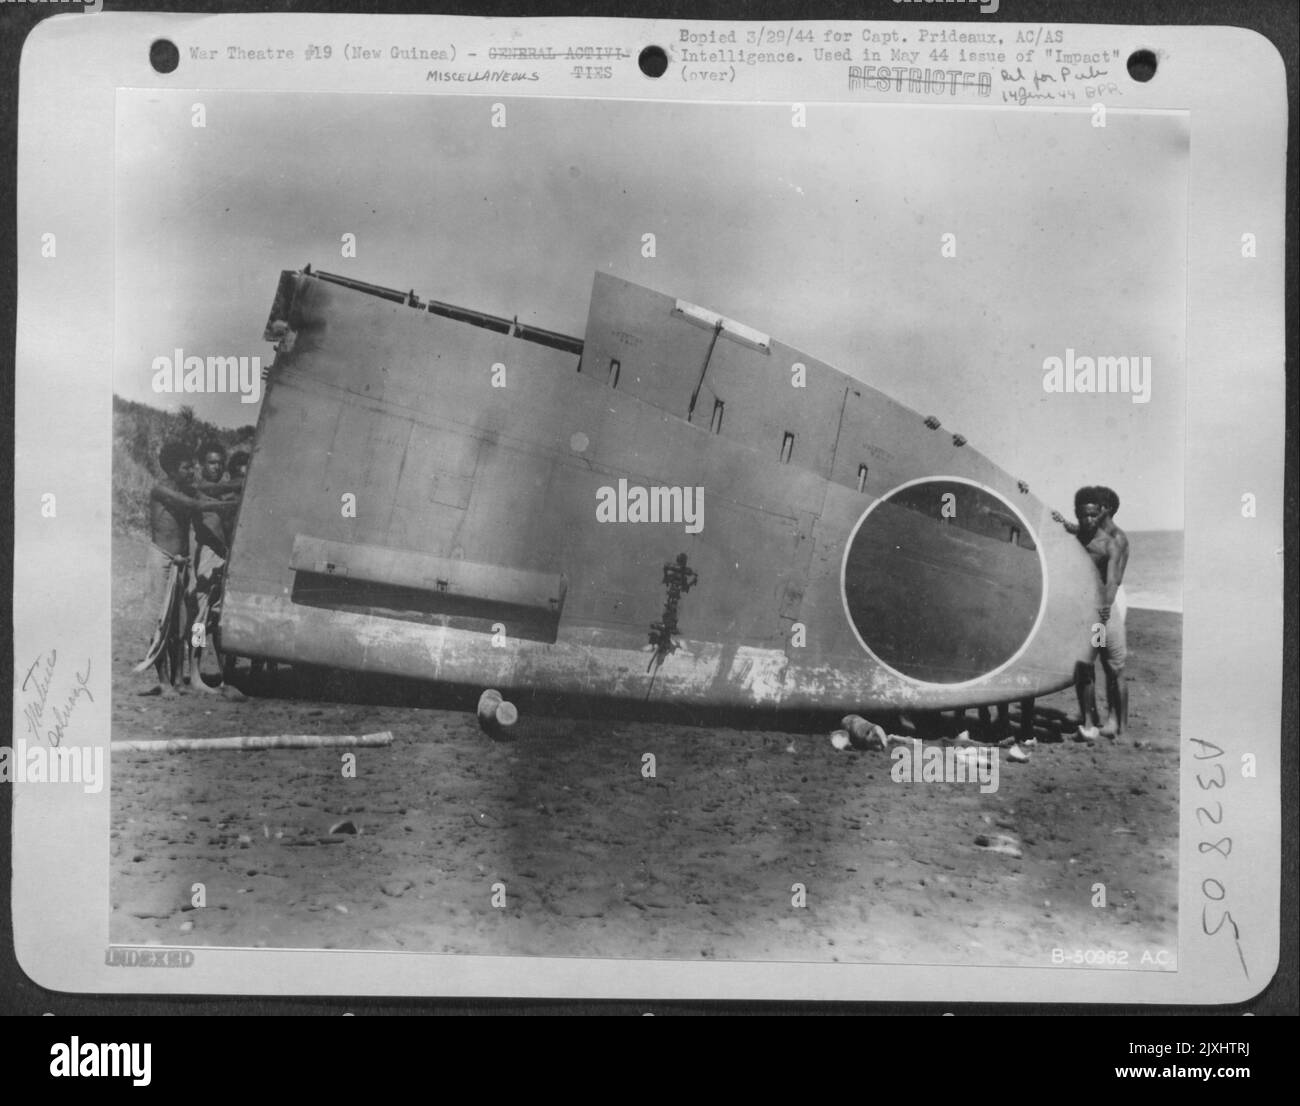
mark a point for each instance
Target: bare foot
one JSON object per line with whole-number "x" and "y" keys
{"x": 157, "y": 689}
{"x": 1110, "y": 730}
{"x": 202, "y": 685}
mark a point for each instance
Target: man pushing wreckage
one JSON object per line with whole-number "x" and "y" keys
{"x": 1107, "y": 545}
{"x": 175, "y": 505}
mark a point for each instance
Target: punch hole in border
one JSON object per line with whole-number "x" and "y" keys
{"x": 164, "y": 56}
{"x": 1142, "y": 65}
{"x": 652, "y": 61}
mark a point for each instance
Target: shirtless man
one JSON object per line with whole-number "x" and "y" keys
{"x": 172, "y": 506}
{"x": 212, "y": 542}
{"x": 1107, "y": 545}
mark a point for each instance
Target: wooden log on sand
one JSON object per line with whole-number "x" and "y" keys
{"x": 487, "y": 706}
{"x": 495, "y": 715}
{"x": 274, "y": 741}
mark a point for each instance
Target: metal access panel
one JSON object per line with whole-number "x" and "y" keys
{"x": 659, "y": 350}
{"x": 456, "y": 579}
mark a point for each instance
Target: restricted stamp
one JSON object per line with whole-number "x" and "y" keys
{"x": 652, "y": 492}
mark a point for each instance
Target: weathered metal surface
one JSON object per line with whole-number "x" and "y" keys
{"x": 465, "y": 517}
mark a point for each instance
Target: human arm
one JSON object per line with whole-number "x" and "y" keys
{"x": 223, "y": 487}
{"x": 1116, "y": 563}
{"x": 220, "y": 506}
{"x": 181, "y": 502}
{"x": 1070, "y": 527}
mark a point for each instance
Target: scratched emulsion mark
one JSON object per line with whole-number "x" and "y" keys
{"x": 678, "y": 579}
{"x": 48, "y": 715}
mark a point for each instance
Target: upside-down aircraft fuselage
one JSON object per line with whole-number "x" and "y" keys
{"x": 675, "y": 507}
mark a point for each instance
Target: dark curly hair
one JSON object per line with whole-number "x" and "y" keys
{"x": 1102, "y": 496}
{"x": 171, "y": 456}
{"x": 1107, "y": 498}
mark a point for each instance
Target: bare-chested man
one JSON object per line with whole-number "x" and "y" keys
{"x": 212, "y": 546}
{"x": 1107, "y": 545}
{"x": 172, "y": 506}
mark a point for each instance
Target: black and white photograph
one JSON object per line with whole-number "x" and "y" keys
{"x": 598, "y": 509}
{"x": 640, "y": 529}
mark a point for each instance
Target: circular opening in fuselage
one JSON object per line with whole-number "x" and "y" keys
{"x": 942, "y": 581}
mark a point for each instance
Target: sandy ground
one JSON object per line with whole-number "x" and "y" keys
{"x": 598, "y": 860}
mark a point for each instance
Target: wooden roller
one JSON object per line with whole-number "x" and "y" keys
{"x": 274, "y": 741}
{"x": 494, "y": 713}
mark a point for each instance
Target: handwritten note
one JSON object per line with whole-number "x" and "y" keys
{"x": 48, "y": 707}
